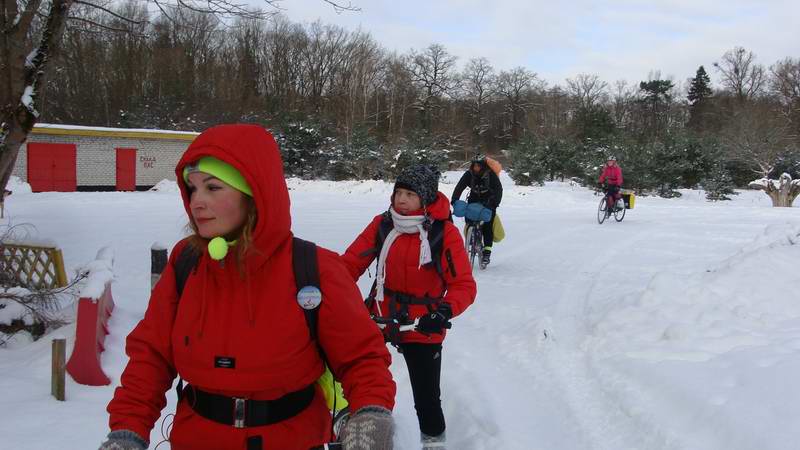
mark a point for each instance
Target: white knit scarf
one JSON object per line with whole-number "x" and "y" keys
{"x": 402, "y": 225}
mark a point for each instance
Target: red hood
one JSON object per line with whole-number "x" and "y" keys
{"x": 254, "y": 153}
{"x": 440, "y": 208}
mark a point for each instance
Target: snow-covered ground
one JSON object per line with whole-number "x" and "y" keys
{"x": 678, "y": 328}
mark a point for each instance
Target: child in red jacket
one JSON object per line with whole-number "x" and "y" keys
{"x": 236, "y": 334}
{"x": 423, "y": 276}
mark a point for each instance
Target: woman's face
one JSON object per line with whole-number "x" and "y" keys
{"x": 406, "y": 202}
{"x": 217, "y": 208}
{"x": 611, "y": 163}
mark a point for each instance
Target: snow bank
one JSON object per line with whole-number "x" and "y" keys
{"x": 697, "y": 317}
{"x": 345, "y": 187}
{"x": 166, "y": 186}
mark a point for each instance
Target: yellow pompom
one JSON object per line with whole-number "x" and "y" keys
{"x": 218, "y": 248}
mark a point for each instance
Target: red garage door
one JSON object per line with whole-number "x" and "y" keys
{"x": 126, "y": 169}
{"x": 51, "y": 167}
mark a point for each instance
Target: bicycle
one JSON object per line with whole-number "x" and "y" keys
{"x": 475, "y": 216}
{"x": 618, "y": 210}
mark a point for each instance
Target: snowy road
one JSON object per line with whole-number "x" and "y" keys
{"x": 661, "y": 332}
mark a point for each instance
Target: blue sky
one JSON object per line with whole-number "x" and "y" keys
{"x": 614, "y": 39}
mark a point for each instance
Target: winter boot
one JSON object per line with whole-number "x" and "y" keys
{"x": 487, "y": 255}
{"x": 433, "y": 442}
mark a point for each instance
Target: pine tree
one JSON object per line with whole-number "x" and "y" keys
{"x": 719, "y": 184}
{"x": 656, "y": 98}
{"x": 699, "y": 94}
{"x": 699, "y": 89}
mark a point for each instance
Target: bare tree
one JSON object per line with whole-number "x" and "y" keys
{"x": 514, "y": 86}
{"x": 281, "y": 54}
{"x": 432, "y": 71}
{"x": 757, "y": 135}
{"x": 785, "y": 84}
{"x": 30, "y": 33}
{"x": 624, "y": 98}
{"x": 587, "y": 90}
{"x": 740, "y": 74}
{"x": 477, "y": 83}
{"x": 555, "y": 112}
{"x": 400, "y": 93}
{"x": 356, "y": 83}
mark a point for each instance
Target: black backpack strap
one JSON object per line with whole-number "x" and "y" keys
{"x": 383, "y": 230}
{"x": 436, "y": 240}
{"x": 306, "y": 273}
{"x": 380, "y": 237}
{"x": 184, "y": 265}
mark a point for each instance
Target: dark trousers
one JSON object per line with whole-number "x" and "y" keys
{"x": 424, "y": 363}
{"x": 488, "y": 231}
{"x": 612, "y": 195}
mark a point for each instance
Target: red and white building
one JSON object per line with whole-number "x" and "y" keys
{"x": 70, "y": 158}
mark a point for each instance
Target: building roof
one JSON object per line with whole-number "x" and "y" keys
{"x": 135, "y": 133}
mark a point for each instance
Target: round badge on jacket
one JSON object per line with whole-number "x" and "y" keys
{"x": 309, "y": 297}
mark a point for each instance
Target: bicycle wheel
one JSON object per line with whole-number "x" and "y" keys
{"x": 601, "y": 211}
{"x": 469, "y": 244}
{"x": 477, "y": 248}
{"x": 619, "y": 213}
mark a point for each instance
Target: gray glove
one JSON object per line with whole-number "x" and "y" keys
{"x": 370, "y": 428}
{"x": 124, "y": 440}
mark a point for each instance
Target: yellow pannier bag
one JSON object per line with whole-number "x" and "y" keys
{"x": 497, "y": 229}
{"x": 628, "y": 197}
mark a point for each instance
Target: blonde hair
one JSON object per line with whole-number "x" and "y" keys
{"x": 243, "y": 236}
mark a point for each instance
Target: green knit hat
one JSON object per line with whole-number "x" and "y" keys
{"x": 220, "y": 169}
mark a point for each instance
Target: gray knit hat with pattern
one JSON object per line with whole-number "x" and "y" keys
{"x": 422, "y": 179}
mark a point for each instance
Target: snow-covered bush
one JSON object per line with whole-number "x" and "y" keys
{"x": 527, "y": 162}
{"x": 303, "y": 148}
{"x": 719, "y": 184}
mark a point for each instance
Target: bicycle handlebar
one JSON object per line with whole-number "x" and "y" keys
{"x": 404, "y": 326}
{"x": 328, "y": 446}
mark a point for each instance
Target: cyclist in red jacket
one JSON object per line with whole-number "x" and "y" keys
{"x": 612, "y": 176}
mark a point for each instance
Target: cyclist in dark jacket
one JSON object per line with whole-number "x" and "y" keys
{"x": 485, "y": 188}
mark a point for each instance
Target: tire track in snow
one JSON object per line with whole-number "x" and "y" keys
{"x": 606, "y": 422}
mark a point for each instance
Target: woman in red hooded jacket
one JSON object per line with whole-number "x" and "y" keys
{"x": 236, "y": 334}
{"x": 409, "y": 286}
